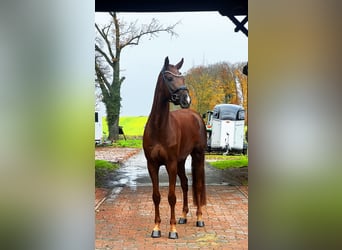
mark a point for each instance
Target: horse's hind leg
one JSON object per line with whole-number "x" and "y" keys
{"x": 184, "y": 184}
{"x": 198, "y": 185}
{"x": 154, "y": 171}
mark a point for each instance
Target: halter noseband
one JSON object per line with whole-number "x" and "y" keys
{"x": 167, "y": 71}
{"x": 174, "y": 95}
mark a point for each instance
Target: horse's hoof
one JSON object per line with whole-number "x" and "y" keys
{"x": 182, "y": 221}
{"x": 200, "y": 223}
{"x": 156, "y": 234}
{"x": 173, "y": 235}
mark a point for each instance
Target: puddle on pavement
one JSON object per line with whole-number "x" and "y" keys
{"x": 134, "y": 173}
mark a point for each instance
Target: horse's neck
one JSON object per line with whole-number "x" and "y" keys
{"x": 159, "y": 117}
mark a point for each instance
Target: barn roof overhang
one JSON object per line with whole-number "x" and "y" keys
{"x": 229, "y": 8}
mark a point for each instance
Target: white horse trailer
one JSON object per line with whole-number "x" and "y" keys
{"x": 98, "y": 127}
{"x": 225, "y": 129}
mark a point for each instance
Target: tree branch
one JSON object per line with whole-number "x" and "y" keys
{"x": 98, "y": 49}
{"x": 104, "y": 34}
{"x": 117, "y": 36}
{"x": 122, "y": 79}
{"x": 152, "y": 29}
{"x": 104, "y": 84}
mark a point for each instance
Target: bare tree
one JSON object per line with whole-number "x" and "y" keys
{"x": 111, "y": 39}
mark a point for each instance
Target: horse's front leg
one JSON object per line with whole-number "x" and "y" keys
{"x": 172, "y": 171}
{"x": 184, "y": 184}
{"x": 154, "y": 171}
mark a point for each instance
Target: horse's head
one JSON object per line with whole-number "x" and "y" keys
{"x": 174, "y": 80}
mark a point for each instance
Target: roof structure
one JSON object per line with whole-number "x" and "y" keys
{"x": 229, "y": 8}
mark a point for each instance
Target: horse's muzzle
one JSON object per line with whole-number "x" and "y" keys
{"x": 181, "y": 97}
{"x": 185, "y": 101}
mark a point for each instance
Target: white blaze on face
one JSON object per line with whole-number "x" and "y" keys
{"x": 188, "y": 98}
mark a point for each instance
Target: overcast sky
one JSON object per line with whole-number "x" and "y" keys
{"x": 203, "y": 38}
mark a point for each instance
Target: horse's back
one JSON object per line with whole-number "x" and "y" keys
{"x": 188, "y": 118}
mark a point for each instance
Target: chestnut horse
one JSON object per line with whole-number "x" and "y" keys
{"x": 169, "y": 137}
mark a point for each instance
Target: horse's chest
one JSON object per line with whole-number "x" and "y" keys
{"x": 160, "y": 153}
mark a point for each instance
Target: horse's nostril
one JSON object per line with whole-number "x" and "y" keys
{"x": 185, "y": 101}
{"x": 174, "y": 97}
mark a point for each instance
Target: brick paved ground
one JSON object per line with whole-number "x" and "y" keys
{"x": 125, "y": 220}
{"x": 113, "y": 154}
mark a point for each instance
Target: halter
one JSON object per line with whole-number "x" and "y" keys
{"x": 167, "y": 71}
{"x": 174, "y": 95}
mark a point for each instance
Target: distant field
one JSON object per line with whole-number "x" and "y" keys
{"x": 132, "y": 125}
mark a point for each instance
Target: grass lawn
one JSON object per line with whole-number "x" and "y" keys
{"x": 129, "y": 143}
{"x": 224, "y": 162}
{"x": 102, "y": 168}
{"x": 102, "y": 164}
{"x": 132, "y": 125}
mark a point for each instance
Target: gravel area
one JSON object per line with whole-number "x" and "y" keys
{"x": 116, "y": 155}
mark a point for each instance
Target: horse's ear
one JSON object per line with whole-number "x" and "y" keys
{"x": 166, "y": 62}
{"x": 179, "y": 65}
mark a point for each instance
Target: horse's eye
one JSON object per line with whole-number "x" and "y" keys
{"x": 169, "y": 78}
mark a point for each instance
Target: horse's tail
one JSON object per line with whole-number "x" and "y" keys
{"x": 198, "y": 179}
